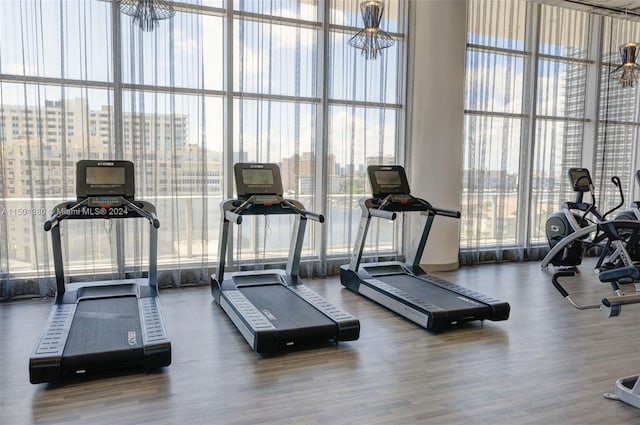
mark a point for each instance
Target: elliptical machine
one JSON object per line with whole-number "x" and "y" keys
{"x": 576, "y": 216}
{"x": 634, "y": 212}
{"x": 632, "y": 237}
{"x": 627, "y": 389}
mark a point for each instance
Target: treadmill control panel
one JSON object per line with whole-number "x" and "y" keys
{"x": 104, "y": 201}
{"x": 260, "y": 180}
{"x": 105, "y": 180}
{"x": 266, "y": 200}
{"x": 388, "y": 180}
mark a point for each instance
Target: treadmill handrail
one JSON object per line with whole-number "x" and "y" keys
{"x": 387, "y": 208}
{"x": 233, "y": 217}
{"x": 389, "y": 215}
{"x": 67, "y": 210}
{"x": 74, "y": 210}
{"x": 447, "y": 213}
{"x": 413, "y": 202}
{"x": 149, "y": 215}
{"x": 232, "y": 211}
{"x": 301, "y": 211}
{"x": 62, "y": 213}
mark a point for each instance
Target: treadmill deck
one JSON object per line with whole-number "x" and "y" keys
{"x": 271, "y": 316}
{"x": 284, "y": 309}
{"x": 434, "y": 295}
{"x": 98, "y": 334}
{"x": 429, "y": 301}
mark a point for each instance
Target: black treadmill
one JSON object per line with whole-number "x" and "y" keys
{"x": 102, "y": 324}
{"x": 406, "y": 288}
{"x": 272, "y": 309}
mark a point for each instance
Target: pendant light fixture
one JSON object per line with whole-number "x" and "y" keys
{"x": 628, "y": 72}
{"x": 371, "y": 39}
{"x": 147, "y": 13}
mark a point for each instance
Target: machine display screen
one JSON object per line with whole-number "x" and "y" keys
{"x": 105, "y": 176}
{"x": 257, "y": 177}
{"x": 580, "y": 179}
{"x": 96, "y": 178}
{"x": 389, "y": 181}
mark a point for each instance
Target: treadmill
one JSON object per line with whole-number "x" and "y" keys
{"x": 406, "y": 288}
{"x": 273, "y": 309}
{"x": 106, "y": 324}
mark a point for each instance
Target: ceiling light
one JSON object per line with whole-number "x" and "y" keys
{"x": 371, "y": 39}
{"x": 627, "y": 73}
{"x": 147, "y": 13}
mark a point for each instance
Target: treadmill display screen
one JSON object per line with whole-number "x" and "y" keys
{"x": 388, "y": 180}
{"x": 257, "y": 177}
{"x": 105, "y": 176}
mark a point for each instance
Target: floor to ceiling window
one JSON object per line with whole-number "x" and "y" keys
{"x": 495, "y": 121}
{"x": 618, "y": 117}
{"x": 220, "y": 82}
{"x": 539, "y": 100}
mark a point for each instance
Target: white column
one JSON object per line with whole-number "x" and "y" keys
{"x": 436, "y": 120}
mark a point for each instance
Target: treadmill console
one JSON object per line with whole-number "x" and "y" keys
{"x": 388, "y": 180}
{"x": 580, "y": 179}
{"x": 104, "y": 183}
{"x": 260, "y": 181}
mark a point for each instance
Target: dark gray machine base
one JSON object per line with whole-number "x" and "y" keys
{"x": 272, "y": 316}
{"x": 99, "y": 334}
{"x": 432, "y": 303}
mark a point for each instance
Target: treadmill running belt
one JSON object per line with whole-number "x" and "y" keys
{"x": 284, "y": 309}
{"x": 433, "y": 294}
{"x": 105, "y": 330}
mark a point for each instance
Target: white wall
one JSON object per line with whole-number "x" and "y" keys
{"x": 436, "y": 119}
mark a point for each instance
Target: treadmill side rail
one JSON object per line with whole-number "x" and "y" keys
{"x": 256, "y": 329}
{"x": 348, "y": 326}
{"x": 500, "y": 309}
{"x": 46, "y": 359}
{"x": 156, "y": 344}
{"x": 403, "y": 308}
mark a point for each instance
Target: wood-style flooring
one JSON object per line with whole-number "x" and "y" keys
{"x": 548, "y": 364}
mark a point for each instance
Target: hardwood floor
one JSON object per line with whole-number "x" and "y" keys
{"x": 549, "y": 363}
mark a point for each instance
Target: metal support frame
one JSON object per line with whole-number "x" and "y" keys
{"x": 295, "y": 249}
{"x": 363, "y": 229}
{"x": 414, "y": 259}
{"x": 223, "y": 239}
{"x": 56, "y": 244}
{"x": 231, "y": 212}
